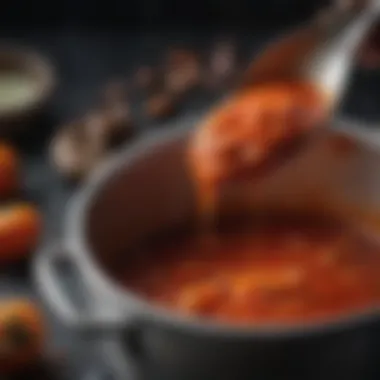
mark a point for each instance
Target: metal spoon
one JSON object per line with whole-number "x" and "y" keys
{"x": 322, "y": 52}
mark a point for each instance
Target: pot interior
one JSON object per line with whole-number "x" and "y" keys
{"x": 150, "y": 193}
{"x": 147, "y": 196}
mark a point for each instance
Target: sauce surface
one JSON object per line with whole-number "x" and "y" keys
{"x": 292, "y": 271}
{"x": 250, "y": 130}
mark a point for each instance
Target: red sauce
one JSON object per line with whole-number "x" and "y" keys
{"x": 249, "y": 131}
{"x": 293, "y": 271}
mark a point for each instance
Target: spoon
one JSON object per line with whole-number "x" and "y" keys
{"x": 321, "y": 52}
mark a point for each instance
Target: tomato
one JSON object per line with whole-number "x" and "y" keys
{"x": 22, "y": 334}
{"x": 20, "y": 228}
{"x": 9, "y": 170}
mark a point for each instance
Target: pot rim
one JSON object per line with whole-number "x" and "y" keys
{"x": 77, "y": 245}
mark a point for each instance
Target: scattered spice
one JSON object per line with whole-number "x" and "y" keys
{"x": 181, "y": 81}
{"x": 183, "y": 72}
{"x": 78, "y": 147}
{"x": 160, "y": 106}
{"x": 118, "y": 123}
{"x": 223, "y": 63}
{"x": 82, "y": 144}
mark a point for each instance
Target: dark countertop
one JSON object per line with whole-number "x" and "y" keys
{"x": 85, "y": 60}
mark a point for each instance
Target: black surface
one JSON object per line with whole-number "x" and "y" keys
{"x": 143, "y": 14}
{"x": 85, "y": 60}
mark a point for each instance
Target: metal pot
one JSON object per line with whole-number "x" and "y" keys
{"x": 146, "y": 190}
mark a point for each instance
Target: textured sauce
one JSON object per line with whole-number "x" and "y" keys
{"x": 253, "y": 130}
{"x": 293, "y": 270}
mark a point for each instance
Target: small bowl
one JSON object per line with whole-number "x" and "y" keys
{"x": 28, "y": 64}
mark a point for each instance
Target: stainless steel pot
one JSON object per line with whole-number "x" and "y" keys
{"x": 145, "y": 190}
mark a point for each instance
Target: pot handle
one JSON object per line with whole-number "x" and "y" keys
{"x": 49, "y": 285}
{"x": 48, "y": 282}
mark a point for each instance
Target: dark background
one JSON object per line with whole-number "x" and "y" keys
{"x": 91, "y": 42}
{"x": 142, "y": 14}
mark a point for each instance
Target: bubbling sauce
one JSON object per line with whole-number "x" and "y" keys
{"x": 296, "y": 269}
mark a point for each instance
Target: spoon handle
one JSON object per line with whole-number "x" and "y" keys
{"x": 330, "y": 63}
{"x": 306, "y": 50}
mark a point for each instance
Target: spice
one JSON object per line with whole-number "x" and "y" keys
{"x": 118, "y": 123}
{"x": 160, "y": 106}
{"x": 183, "y": 72}
{"x": 223, "y": 64}
{"x": 78, "y": 146}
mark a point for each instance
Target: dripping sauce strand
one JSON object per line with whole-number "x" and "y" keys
{"x": 250, "y": 134}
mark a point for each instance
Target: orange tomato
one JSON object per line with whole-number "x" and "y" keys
{"x": 20, "y": 228}
{"x": 22, "y": 334}
{"x": 9, "y": 170}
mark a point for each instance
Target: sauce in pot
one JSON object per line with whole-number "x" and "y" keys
{"x": 287, "y": 269}
{"x": 293, "y": 270}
